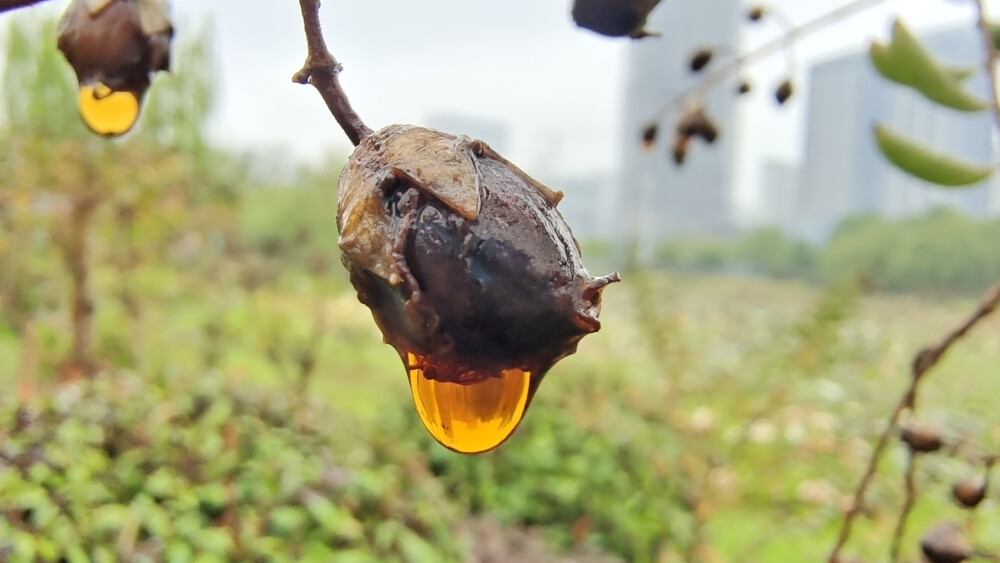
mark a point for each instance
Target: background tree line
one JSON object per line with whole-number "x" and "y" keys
{"x": 940, "y": 251}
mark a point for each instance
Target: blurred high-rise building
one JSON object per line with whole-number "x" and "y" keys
{"x": 657, "y": 199}
{"x": 844, "y": 174}
{"x": 778, "y": 187}
{"x": 495, "y": 133}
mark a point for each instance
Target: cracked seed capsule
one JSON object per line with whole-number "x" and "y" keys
{"x": 470, "y": 272}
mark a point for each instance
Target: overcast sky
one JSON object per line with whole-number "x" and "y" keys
{"x": 557, "y": 87}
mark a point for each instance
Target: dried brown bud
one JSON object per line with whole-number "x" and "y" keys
{"x": 701, "y": 58}
{"x": 470, "y": 272}
{"x": 945, "y": 543}
{"x": 680, "y": 148}
{"x": 649, "y": 133}
{"x": 921, "y": 437}
{"x": 114, "y": 46}
{"x": 783, "y": 92}
{"x": 755, "y": 13}
{"x": 969, "y": 491}
{"x": 743, "y": 87}
{"x": 615, "y": 18}
{"x": 696, "y": 123}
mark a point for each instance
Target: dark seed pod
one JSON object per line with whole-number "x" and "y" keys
{"x": 784, "y": 91}
{"x": 743, "y": 87}
{"x": 921, "y": 438}
{"x": 700, "y": 59}
{"x": 114, "y": 46}
{"x": 470, "y": 272}
{"x": 969, "y": 491}
{"x": 755, "y": 13}
{"x": 945, "y": 543}
{"x": 615, "y": 18}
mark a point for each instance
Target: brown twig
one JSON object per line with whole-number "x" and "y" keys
{"x": 926, "y": 359}
{"x": 322, "y": 70}
{"x": 929, "y": 357}
{"x": 75, "y": 249}
{"x": 7, "y": 5}
{"x": 910, "y": 487}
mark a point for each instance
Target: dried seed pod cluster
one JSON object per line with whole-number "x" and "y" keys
{"x": 470, "y": 272}
{"x": 693, "y": 123}
{"x": 114, "y": 46}
{"x": 699, "y": 60}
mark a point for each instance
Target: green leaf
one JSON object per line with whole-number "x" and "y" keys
{"x": 926, "y": 163}
{"x": 910, "y": 63}
{"x": 287, "y": 520}
{"x": 335, "y": 521}
{"x": 886, "y": 65}
{"x": 216, "y": 541}
{"x": 108, "y": 517}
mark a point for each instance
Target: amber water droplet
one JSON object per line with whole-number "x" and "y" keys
{"x": 107, "y": 112}
{"x": 470, "y": 417}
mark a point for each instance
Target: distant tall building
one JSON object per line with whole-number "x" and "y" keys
{"x": 844, "y": 174}
{"x": 585, "y": 205}
{"x": 778, "y": 187}
{"x": 656, "y": 198}
{"x": 494, "y": 133}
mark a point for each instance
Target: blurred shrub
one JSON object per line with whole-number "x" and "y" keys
{"x": 913, "y": 254}
{"x": 122, "y": 469}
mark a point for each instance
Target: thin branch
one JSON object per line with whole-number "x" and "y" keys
{"x": 75, "y": 251}
{"x": 858, "y": 498}
{"x": 929, "y": 357}
{"x": 7, "y": 5}
{"x": 910, "y": 485}
{"x": 989, "y": 62}
{"x": 322, "y": 70}
{"x": 721, "y": 73}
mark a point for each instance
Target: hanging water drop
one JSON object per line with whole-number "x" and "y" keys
{"x": 107, "y": 112}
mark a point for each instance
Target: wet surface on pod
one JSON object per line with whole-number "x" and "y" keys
{"x": 470, "y": 272}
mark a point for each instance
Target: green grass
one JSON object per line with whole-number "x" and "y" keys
{"x": 756, "y": 401}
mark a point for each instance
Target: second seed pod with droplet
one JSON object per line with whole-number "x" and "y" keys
{"x": 114, "y": 46}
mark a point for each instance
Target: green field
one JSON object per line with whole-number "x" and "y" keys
{"x": 712, "y": 418}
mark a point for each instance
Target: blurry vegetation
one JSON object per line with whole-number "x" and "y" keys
{"x": 243, "y": 407}
{"x": 915, "y": 254}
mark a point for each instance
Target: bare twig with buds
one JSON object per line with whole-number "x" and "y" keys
{"x": 733, "y": 66}
{"x": 929, "y": 357}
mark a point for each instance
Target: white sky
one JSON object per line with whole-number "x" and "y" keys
{"x": 523, "y": 62}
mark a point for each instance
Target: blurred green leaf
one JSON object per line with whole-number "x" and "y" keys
{"x": 928, "y": 164}
{"x": 906, "y": 61}
{"x": 337, "y": 522}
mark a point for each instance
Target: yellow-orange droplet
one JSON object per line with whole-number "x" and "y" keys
{"x": 107, "y": 112}
{"x": 470, "y": 417}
